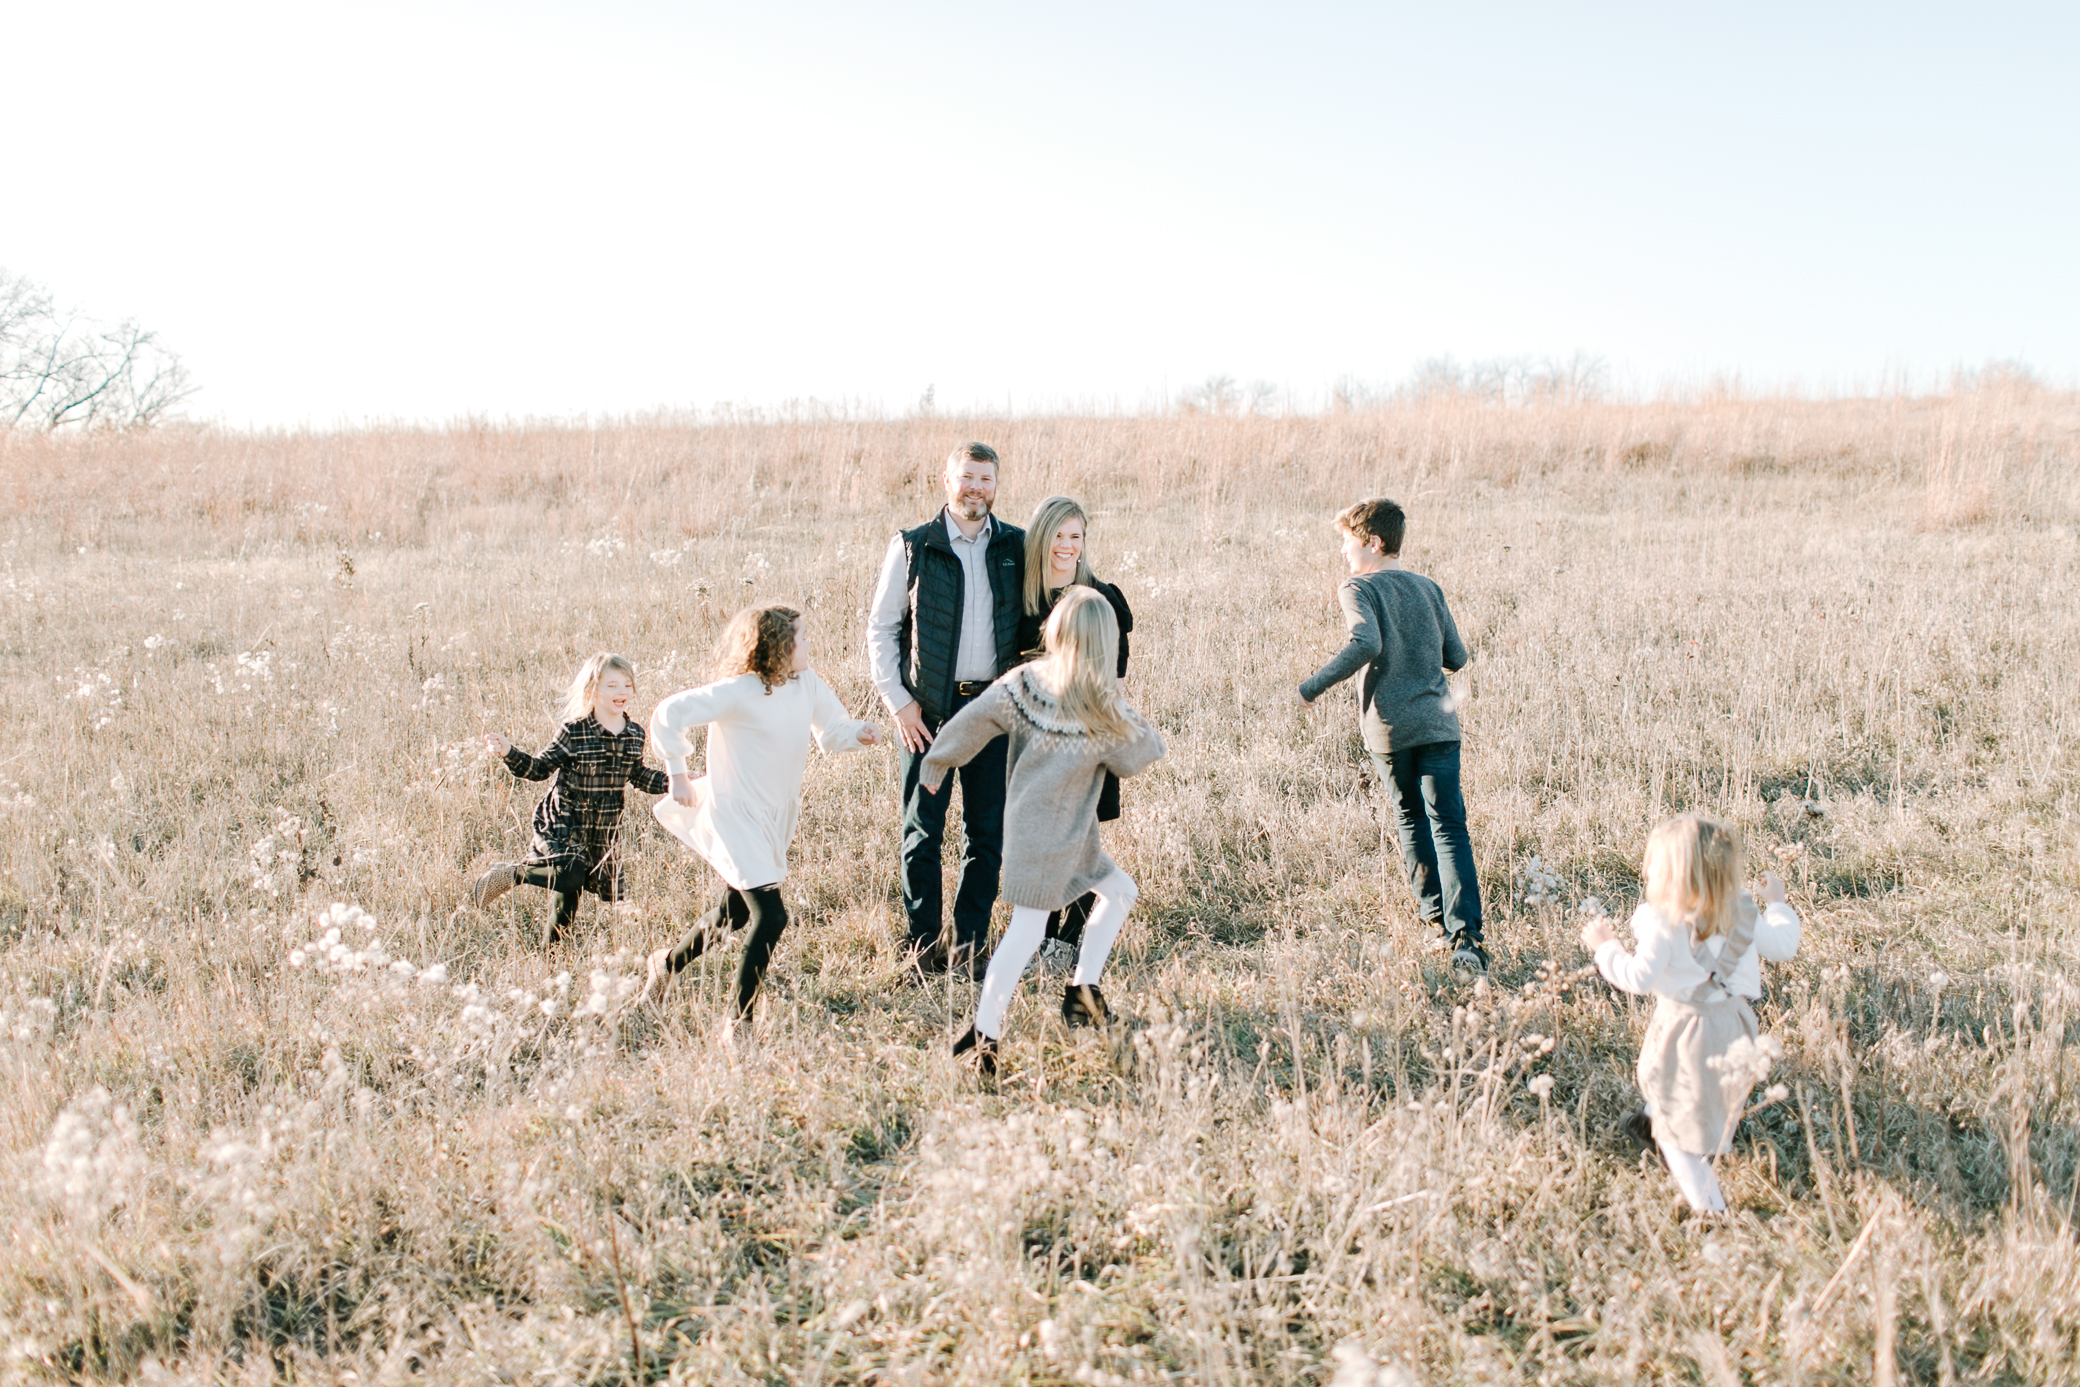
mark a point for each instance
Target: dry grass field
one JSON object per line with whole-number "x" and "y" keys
{"x": 280, "y": 1105}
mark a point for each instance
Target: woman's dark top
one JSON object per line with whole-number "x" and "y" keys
{"x": 1029, "y": 649}
{"x": 1030, "y": 623}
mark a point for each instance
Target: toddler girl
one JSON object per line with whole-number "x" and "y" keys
{"x": 577, "y": 825}
{"x": 1068, "y": 726}
{"x": 1695, "y": 933}
{"x": 741, "y": 815}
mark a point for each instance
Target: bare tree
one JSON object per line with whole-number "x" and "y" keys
{"x": 1217, "y": 395}
{"x": 61, "y": 370}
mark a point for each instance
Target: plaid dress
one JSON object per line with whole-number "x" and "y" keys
{"x": 578, "y": 823}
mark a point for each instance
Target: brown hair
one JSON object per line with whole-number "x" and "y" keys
{"x": 1693, "y": 872}
{"x": 760, "y": 641}
{"x": 1378, "y": 519}
{"x": 972, "y": 452}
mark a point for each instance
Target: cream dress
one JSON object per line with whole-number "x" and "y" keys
{"x": 744, "y": 809}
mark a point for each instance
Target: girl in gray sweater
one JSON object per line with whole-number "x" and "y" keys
{"x": 1068, "y": 726}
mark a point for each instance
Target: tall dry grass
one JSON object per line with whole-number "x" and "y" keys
{"x": 244, "y": 676}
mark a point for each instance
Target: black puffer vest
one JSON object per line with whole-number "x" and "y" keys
{"x": 931, "y": 639}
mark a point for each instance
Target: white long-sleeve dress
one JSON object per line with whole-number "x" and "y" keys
{"x": 744, "y": 809}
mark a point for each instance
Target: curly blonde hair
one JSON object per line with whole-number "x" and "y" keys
{"x": 760, "y": 641}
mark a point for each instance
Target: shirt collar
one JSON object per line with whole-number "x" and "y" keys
{"x": 953, "y": 531}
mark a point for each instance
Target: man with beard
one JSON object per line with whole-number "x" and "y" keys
{"x": 943, "y": 626}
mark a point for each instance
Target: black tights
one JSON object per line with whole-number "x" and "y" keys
{"x": 761, "y": 908}
{"x": 567, "y": 882}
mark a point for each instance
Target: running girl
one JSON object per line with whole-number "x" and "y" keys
{"x": 740, "y": 816}
{"x": 1068, "y": 726}
{"x": 577, "y": 825}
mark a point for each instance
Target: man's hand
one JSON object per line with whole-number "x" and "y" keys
{"x": 1772, "y": 891}
{"x": 497, "y": 745}
{"x": 1597, "y": 933}
{"x": 910, "y": 727}
{"x": 681, "y": 789}
{"x": 869, "y": 735}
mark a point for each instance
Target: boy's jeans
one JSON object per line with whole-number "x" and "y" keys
{"x": 1423, "y": 788}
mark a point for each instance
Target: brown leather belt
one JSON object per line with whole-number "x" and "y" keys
{"x": 968, "y": 688}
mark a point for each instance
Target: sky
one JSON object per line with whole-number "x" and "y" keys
{"x": 379, "y": 213}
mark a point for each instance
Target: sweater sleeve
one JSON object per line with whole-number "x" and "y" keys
{"x": 835, "y": 729}
{"x": 1142, "y": 749}
{"x": 541, "y": 767}
{"x": 967, "y": 732}
{"x": 1360, "y": 650}
{"x": 676, "y": 718}
{"x": 648, "y": 780}
{"x": 1637, "y": 972}
{"x": 1454, "y": 648}
{"x": 1777, "y": 933}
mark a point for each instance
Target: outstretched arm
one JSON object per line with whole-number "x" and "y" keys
{"x": 835, "y": 729}
{"x": 1637, "y": 972}
{"x": 540, "y": 767}
{"x": 677, "y": 718}
{"x": 966, "y": 733}
{"x": 1359, "y": 651}
{"x": 1142, "y": 748}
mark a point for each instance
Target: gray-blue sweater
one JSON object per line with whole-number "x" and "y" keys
{"x": 1403, "y": 637}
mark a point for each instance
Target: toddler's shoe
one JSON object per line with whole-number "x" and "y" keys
{"x": 1639, "y": 1128}
{"x": 1084, "y": 1005}
{"x": 985, "y": 1052}
{"x": 495, "y": 883}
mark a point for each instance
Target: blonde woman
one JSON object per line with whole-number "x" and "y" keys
{"x": 761, "y": 713}
{"x": 577, "y": 824}
{"x": 1695, "y": 934}
{"x": 1067, "y": 726}
{"x": 1057, "y": 558}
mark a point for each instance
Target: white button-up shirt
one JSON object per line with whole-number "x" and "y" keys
{"x": 975, "y": 661}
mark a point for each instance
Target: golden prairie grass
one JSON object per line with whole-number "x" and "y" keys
{"x": 244, "y": 680}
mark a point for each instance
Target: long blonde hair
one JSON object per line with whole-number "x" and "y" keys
{"x": 584, "y": 689}
{"x": 1693, "y": 871}
{"x": 760, "y": 641}
{"x": 1082, "y": 642}
{"x": 1040, "y": 538}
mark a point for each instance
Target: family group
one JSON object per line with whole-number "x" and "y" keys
{"x": 1002, "y": 659}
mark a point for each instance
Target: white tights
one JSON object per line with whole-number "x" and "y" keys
{"x": 1693, "y": 1176}
{"x": 1116, "y": 895}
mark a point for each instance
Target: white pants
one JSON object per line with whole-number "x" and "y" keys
{"x": 1693, "y": 1176}
{"x": 1116, "y": 896}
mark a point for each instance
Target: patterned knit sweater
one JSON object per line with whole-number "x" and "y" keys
{"x": 1052, "y": 851}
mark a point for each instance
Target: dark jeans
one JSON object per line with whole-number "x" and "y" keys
{"x": 762, "y": 909}
{"x": 1422, "y": 785}
{"x": 982, "y": 839}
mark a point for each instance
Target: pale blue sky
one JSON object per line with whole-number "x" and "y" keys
{"x": 422, "y": 211}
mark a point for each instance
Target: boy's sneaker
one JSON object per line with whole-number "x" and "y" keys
{"x": 502, "y": 878}
{"x": 985, "y": 1051}
{"x": 1469, "y": 959}
{"x": 1084, "y": 1005}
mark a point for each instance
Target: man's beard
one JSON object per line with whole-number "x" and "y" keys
{"x": 970, "y": 508}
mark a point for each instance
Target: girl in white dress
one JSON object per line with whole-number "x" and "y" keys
{"x": 1696, "y": 945}
{"x": 741, "y": 815}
